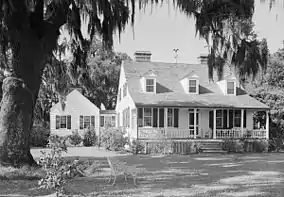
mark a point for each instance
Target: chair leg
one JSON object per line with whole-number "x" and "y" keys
{"x": 114, "y": 180}
{"x": 125, "y": 178}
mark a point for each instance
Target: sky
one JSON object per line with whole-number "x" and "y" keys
{"x": 162, "y": 29}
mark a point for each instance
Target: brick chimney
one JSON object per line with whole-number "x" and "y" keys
{"x": 142, "y": 56}
{"x": 203, "y": 58}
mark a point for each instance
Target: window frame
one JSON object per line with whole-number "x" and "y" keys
{"x": 228, "y": 91}
{"x": 196, "y": 86}
{"x": 151, "y": 85}
{"x": 221, "y": 117}
{"x": 59, "y": 119}
{"x": 148, "y": 116}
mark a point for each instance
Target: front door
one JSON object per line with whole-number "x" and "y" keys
{"x": 191, "y": 122}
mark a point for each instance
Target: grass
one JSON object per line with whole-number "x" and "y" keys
{"x": 173, "y": 175}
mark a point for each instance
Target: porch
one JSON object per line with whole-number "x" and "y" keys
{"x": 194, "y": 123}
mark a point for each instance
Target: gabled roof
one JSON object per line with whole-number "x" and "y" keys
{"x": 171, "y": 93}
{"x": 77, "y": 102}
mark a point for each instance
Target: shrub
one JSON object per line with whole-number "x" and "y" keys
{"x": 90, "y": 138}
{"x": 75, "y": 138}
{"x": 56, "y": 168}
{"x": 260, "y": 146}
{"x": 193, "y": 148}
{"x": 113, "y": 139}
{"x": 137, "y": 147}
{"x": 39, "y": 136}
{"x": 232, "y": 145}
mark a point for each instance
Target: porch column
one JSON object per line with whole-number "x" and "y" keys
{"x": 267, "y": 124}
{"x": 166, "y": 118}
{"x": 195, "y": 122}
{"x": 214, "y": 123}
{"x": 242, "y": 123}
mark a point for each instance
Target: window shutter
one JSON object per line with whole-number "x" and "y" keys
{"x": 161, "y": 117}
{"x": 176, "y": 118}
{"x": 140, "y": 117}
{"x": 68, "y": 122}
{"x": 231, "y": 119}
{"x": 92, "y": 121}
{"x": 57, "y": 122}
{"x": 211, "y": 119}
{"x": 81, "y": 122}
{"x": 155, "y": 117}
{"x": 102, "y": 119}
{"x": 225, "y": 125}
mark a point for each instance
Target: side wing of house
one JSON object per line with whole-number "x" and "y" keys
{"x": 79, "y": 114}
{"x": 125, "y": 107}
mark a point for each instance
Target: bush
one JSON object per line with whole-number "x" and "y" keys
{"x": 39, "y": 136}
{"x": 137, "y": 147}
{"x": 233, "y": 145}
{"x": 90, "y": 138}
{"x": 113, "y": 139}
{"x": 260, "y": 146}
{"x": 75, "y": 138}
{"x": 56, "y": 168}
{"x": 193, "y": 148}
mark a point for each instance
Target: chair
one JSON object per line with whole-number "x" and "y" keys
{"x": 118, "y": 167}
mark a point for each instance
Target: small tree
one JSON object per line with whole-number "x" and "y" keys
{"x": 90, "y": 138}
{"x": 75, "y": 138}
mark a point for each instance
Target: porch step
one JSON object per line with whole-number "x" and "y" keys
{"x": 211, "y": 147}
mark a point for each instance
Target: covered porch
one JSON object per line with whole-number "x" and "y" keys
{"x": 200, "y": 123}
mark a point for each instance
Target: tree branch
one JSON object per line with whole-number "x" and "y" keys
{"x": 39, "y": 9}
{"x": 57, "y": 13}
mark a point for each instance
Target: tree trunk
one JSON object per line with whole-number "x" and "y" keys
{"x": 16, "y": 119}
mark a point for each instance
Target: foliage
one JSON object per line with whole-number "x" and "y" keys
{"x": 90, "y": 137}
{"x": 233, "y": 145}
{"x": 137, "y": 147}
{"x": 267, "y": 88}
{"x": 113, "y": 139}
{"x": 58, "y": 171}
{"x": 75, "y": 138}
{"x": 260, "y": 146}
{"x": 39, "y": 136}
{"x": 193, "y": 148}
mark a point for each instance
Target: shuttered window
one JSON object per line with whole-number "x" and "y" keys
{"x": 140, "y": 117}
{"x": 102, "y": 121}
{"x": 155, "y": 117}
{"x": 225, "y": 119}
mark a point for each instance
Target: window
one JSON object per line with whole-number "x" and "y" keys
{"x": 173, "y": 117}
{"x": 147, "y": 116}
{"x": 192, "y": 84}
{"x": 237, "y": 118}
{"x": 150, "y": 85}
{"x": 102, "y": 119}
{"x": 230, "y": 87}
{"x": 219, "y": 119}
{"x": 170, "y": 117}
{"x": 191, "y": 121}
{"x": 63, "y": 122}
{"x": 124, "y": 89}
{"x": 86, "y": 121}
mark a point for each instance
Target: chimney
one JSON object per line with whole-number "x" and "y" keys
{"x": 203, "y": 59}
{"x": 142, "y": 56}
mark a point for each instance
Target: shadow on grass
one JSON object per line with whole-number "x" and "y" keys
{"x": 169, "y": 176}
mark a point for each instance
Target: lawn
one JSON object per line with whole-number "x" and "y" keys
{"x": 173, "y": 175}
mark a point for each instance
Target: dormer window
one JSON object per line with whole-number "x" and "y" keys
{"x": 192, "y": 86}
{"x": 150, "y": 85}
{"x": 230, "y": 87}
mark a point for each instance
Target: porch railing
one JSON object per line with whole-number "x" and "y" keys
{"x": 237, "y": 133}
{"x": 170, "y": 133}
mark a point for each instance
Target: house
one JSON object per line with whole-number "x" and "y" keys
{"x": 77, "y": 113}
{"x": 179, "y": 101}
